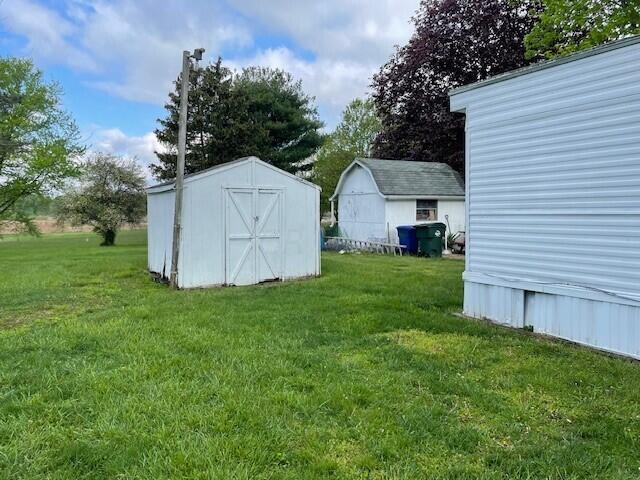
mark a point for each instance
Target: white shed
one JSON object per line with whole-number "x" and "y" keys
{"x": 553, "y": 197}
{"x": 375, "y": 196}
{"x": 243, "y": 222}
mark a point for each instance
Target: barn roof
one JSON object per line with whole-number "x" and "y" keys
{"x": 411, "y": 179}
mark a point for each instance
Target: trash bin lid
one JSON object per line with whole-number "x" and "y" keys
{"x": 438, "y": 225}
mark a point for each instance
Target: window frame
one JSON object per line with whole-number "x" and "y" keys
{"x": 431, "y": 209}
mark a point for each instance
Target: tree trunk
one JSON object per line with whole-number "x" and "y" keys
{"x": 109, "y": 238}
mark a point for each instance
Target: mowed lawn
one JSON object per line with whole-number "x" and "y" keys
{"x": 365, "y": 372}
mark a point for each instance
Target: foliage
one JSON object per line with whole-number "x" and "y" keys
{"x": 456, "y": 42}
{"x": 35, "y": 205}
{"x": 353, "y": 137}
{"x": 365, "y": 372}
{"x": 38, "y": 140}
{"x": 567, "y": 26}
{"x": 331, "y": 230}
{"x": 111, "y": 193}
{"x": 261, "y": 112}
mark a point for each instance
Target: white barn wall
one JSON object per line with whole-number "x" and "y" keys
{"x": 403, "y": 212}
{"x": 455, "y": 210}
{"x": 399, "y": 212}
{"x": 553, "y": 196}
{"x": 361, "y": 209}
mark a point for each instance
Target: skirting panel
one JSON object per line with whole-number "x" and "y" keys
{"x": 609, "y": 326}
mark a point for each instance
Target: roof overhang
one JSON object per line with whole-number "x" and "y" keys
{"x": 424, "y": 197}
{"x": 169, "y": 186}
{"x": 541, "y": 66}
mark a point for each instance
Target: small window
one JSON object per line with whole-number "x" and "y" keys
{"x": 426, "y": 210}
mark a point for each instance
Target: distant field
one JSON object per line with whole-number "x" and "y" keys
{"x": 50, "y": 225}
{"x": 363, "y": 373}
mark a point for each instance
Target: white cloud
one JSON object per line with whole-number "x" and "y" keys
{"x": 48, "y": 34}
{"x": 349, "y": 40}
{"x": 333, "y": 82}
{"x": 145, "y": 41}
{"x": 132, "y": 48}
{"x": 360, "y": 30}
{"x": 115, "y": 141}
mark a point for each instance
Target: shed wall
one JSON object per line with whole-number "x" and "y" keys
{"x": 455, "y": 210}
{"x": 361, "y": 209}
{"x": 399, "y": 212}
{"x": 203, "y": 241}
{"x": 160, "y": 210}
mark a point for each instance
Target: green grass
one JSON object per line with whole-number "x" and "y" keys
{"x": 363, "y": 373}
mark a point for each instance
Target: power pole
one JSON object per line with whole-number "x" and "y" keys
{"x": 182, "y": 146}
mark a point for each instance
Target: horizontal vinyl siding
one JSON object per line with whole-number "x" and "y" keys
{"x": 554, "y": 174}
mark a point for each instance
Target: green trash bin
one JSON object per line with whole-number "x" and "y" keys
{"x": 431, "y": 238}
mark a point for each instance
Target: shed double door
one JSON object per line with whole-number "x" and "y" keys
{"x": 254, "y": 246}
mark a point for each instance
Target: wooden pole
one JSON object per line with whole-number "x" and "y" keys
{"x": 182, "y": 145}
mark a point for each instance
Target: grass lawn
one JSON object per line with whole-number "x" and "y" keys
{"x": 362, "y": 373}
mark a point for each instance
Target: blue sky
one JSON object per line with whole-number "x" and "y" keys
{"x": 116, "y": 59}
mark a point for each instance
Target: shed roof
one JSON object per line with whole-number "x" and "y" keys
{"x": 170, "y": 184}
{"x": 409, "y": 178}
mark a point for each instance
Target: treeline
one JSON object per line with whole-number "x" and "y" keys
{"x": 265, "y": 112}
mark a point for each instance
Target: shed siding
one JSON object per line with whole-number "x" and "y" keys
{"x": 160, "y": 210}
{"x": 202, "y": 255}
{"x": 361, "y": 209}
{"x": 403, "y": 212}
{"x": 203, "y": 240}
{"x": 455, "y": 210}
{"x": 554, "y": 174}
{"x": 399, "y": 212}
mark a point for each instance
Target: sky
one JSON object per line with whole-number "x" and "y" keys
{"x": 116, "y": 59}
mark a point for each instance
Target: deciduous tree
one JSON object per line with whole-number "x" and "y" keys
{"x": 110, "y": 194}
{"x": 567, "y": 26}
{"x": 456, "y": 42}
{"x": 38, "y": 139}
{"x": 353, "y": 137}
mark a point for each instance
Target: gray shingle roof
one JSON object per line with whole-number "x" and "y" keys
{"x": 402, "y": 177}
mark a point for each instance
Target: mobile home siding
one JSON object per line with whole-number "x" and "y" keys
{"x": 553, "y": 198}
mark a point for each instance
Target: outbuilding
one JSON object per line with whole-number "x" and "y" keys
{"x": 553, "y": 197}
{"x": 375, "y": 196}
{"x": 243, "y": 222}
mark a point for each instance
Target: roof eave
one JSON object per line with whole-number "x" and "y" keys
{"x": 423, "y": 197}
{"x": 547, "y": 64}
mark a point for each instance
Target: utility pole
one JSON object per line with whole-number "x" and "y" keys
{"x": 182, "y": 146}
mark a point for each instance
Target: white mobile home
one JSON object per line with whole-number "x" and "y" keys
{"x": 553, "y": 197}
{"x": 375, "y": 196}
{"x": 243, "y": 222}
